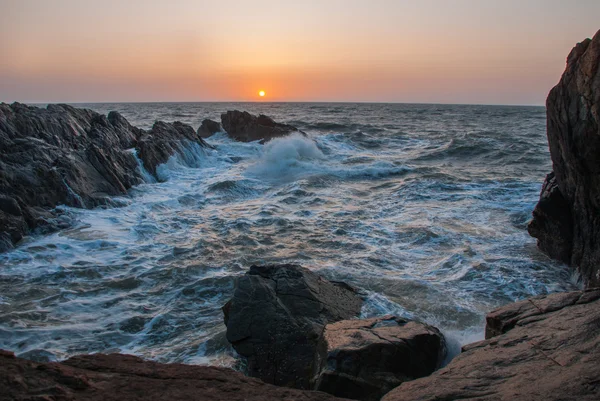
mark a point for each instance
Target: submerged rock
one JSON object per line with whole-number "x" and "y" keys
{"x": 245, "y": 127}
{"x": 566, "y": 222}
{"x": 124, "y": 377}
{"x": 364, "y": 359}
{"x": 70, "y": 156}
{"x": 208, "y": 128}
{"x": 544, "y": 348}
{"x": 276, "y": 317}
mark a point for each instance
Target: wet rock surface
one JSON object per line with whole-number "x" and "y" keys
{"x": 125, "y": 377}
{"x": 573, "y": 121}
{"x": 364, "y": 359}
{"x": 165, "y": 140}
{"x": 544, "y": 348}
{"x": 208, "y": 128}
{"x": 245, "y": 127}
{"x": 62, "y": 155}
{"x": 276, "y": 317}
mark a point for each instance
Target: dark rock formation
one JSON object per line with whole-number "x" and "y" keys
{"x": 364, "y": 359}
{"x": 573, "y": 119}
{"x": 125, "y": 377}
{"x": 165, "y": 140}
{"x": 76, "y": 157}
{"x": 544, "y": 348}
{"x": 208, "y": 128}
{"x": 276, "y": 317}
{"x": 245, "y": 127}
{"x": 552, "y": 223}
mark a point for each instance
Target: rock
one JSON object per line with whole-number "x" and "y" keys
{"x": 76, "y": 157}
{"x": 364, "y": 359}
{"x": 276, "y": 317}
{"x": 573, "y": 120}
{"x": 118, "y": 377}
{"x": 552, "y": 223}
{"x": 544, "y": 348}
{"x": 165, "y": 140}
{"x": 208, "y": 128}
{"x": 245, "y": 127}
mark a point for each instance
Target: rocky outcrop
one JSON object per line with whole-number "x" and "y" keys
{"x": 544, "y": 348}
{"x": 208, "y": 128}
{"x": 552, "y": 223}
{"x": 364, "y": 359}
{"x": 245, "y": 127}
{"x": 165, "y": 140}
{"x": 567, "y": 220}
{"x": 76, "y": 157}
{"x": 125, "y": 377}
{"x": 276, "y": 317}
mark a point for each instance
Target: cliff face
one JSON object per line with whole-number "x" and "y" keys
{"x": 567, "y": 219}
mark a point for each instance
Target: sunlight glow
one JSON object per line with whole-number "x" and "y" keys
{"x": 261, "y": 93}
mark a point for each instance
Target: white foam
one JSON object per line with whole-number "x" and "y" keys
{"x": 146, "y": 176}
{"x": 287, "y": 157}
{"x": 79, "y": 201}
{"x": 189, "y": 154}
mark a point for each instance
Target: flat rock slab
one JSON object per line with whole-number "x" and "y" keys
{"x": 364, "y": 359}
{"x": 276, "y": 317}
{"x": 128, "y": 378}
{"x": 545, "y": 348}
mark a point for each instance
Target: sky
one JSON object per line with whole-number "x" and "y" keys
{"x": 418, "y": 51}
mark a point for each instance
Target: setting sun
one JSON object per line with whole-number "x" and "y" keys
{"x": 261, "y": 93}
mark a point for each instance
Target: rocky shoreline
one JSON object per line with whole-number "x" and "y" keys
{"x": 62, "y": 155}
{"x": 293, "y": 327}
{"x": 544, "y": 348}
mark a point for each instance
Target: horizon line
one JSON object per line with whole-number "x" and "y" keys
{"x": 275, "y": 102}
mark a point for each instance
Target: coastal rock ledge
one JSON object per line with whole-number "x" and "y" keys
{"x": 544, "y": 348}
{"x": 119, "y": 377}
{"x": 566, "y": 220}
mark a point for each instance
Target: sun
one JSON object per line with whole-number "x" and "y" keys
{"x": 261, "y": 93}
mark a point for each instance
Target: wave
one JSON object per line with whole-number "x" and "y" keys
{"x": 295, "y": 156}
{"x": 189, "y": 154}
{"x": 285, "y": 158}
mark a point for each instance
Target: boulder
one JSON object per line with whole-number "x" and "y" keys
{"x": 245, "y": 127}
{"x": 208, "y": 128}
{"x": 76, "y": 157}
{"x": 276, "y": 317}
{"x": 119, "y": 377}
{"x": 573, "y": 129}
{"x": 364, "y": 359}
{"x": 544, "y": 348}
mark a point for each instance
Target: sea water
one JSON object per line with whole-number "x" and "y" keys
{"x": 424, "y": 208}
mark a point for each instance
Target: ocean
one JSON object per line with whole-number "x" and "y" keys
{"x": 422, "y": 207}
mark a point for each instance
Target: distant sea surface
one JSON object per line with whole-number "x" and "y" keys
{"x": 422, "y": 207}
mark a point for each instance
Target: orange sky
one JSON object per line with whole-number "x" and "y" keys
{"x": 452, "y": 51}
